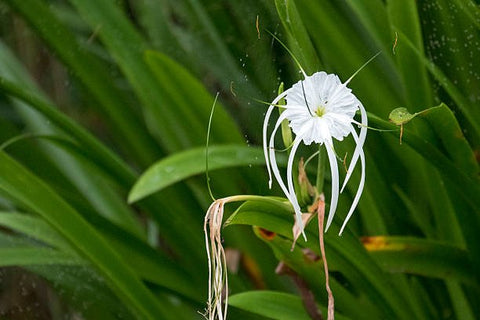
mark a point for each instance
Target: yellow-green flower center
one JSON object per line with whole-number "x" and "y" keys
{"x": 320, "y": 111}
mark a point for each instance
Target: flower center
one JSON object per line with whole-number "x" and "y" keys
{"x": 320, "y": 111}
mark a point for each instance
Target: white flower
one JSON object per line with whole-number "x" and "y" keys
{"x": 318, "y": 108}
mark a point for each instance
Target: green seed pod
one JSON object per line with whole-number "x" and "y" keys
{"x": 400, "y": 116}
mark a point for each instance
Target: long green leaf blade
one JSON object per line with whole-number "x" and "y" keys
{"x": 185, "y": 164}
{"x": 33, "y": 227}
{"x": 274, "y": 305}
{"x": 93, "y": 74}
{"x": 422, "y": 257}
{"x": 23, "y": 186}
{"x": 27, "y": 256}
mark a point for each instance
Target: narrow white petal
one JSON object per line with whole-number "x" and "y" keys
{"x": 359, "y": 143}
{"x": 273, "y": 160}
{"x": 335, "y": 181}
{"x": 353, "y": 162}
{"x": 291, "y": 189}
{"x": 360, "y": 185}
{"x": 265, "y": 126}
{"x": 290, "y": 196}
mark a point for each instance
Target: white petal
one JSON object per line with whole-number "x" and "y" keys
{"x": 359, "y": 143}
{"x": 265, "y": 125}
{"x": 291, "y": 189}
{"x": 335, "y": 181}
{"x": 360, "y": 185}
{"x": 273, "y": 160}
{"x": 290, "y": 195}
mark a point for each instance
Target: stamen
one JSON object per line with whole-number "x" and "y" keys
{"x": 320, "y": 111}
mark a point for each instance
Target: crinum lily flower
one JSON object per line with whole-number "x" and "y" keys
{"x": 319, "y": 109}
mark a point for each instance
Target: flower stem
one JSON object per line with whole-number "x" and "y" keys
{"x": 206, "y": 147}
{"x": 321, "y": 217}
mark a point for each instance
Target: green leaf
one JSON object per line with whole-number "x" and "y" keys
{"x": 271, "y": 304}
{"x": 298, "y": 39}
{"x": 344, "y": 46}
{"x": 470, "y": 187}
{"x": 463, "y": 309}
{"x": 424, "y": 257}
{"x": 92, "y": 146}
{"x": 448, "y": 131}
{"x": 464, "y": 185}
{"x": 175, "y": 127}
{"x": 355, "y": 263}
{"x": 185, "y": 164}
{"x": 191, "y": 101}
{"x": 108, "y": 203}
{"x": 372, "y": 15}
{"x": 308, "y": 265}
{"x": 155, "y": 266}
{"x": 89, "y": 182}
{"x": 26, "y": 188}
{"x": 26, "y": 256}
{"x": 403, "y": 16}
{"x": 471, "y": 114}
{"x": 95, "y": 76}
{"x": 83, "y": 289}
{"x": 149, "y": 264}
{"x": 35, "y": 228}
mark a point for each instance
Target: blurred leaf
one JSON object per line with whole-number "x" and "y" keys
{"x": 471, "y": 114}
{"x": 87, "y": 182}
{"x": 106, "y": 158}
{"x": 19, "y": 256}
{"x": 448, "y": 131}
{"x": 466, "y": 186}
{"x": 191, "y": 100}
{"x": 298, "y": 39}
{"x": 349, "y": 47}
{"x": 147, "y": 263}
{"x": 32, "y": 192}
{"x": 357, "y": 266}
{"x": 109, "y": 162}
{"x": 271, "y": 304}
{"x": 309, "y": 266}
{"x": 35, "y": 228}
{"x": 403, "y": 16}
{"x": 422, "y": 257}
{"x": 174, "y": 128}
{"x": 94, "y": 75}
{"x": 433, "y": 155}
{"x": 373, "y": 17}
{"x": 182, "y": 165}
{"x": 460, "y": 302}
{"x": 83, "y": 289}
{"x": 156, "y": 267}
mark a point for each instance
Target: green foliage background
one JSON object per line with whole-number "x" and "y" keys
{"x": 95, "y": 92}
